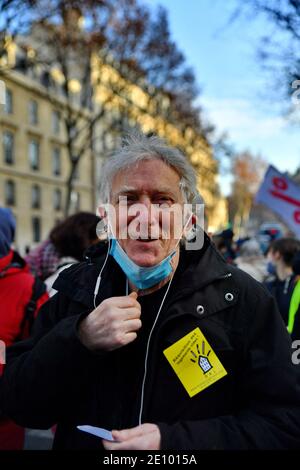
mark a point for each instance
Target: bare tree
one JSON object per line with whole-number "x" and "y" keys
{"x": 279, "y": 45}
{"x": 247, "y": 170}
{"x": 106, "y": 48}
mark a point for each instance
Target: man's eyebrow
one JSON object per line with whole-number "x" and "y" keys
{"x": 125, "y": 190}
{"x": 132, "y": 189}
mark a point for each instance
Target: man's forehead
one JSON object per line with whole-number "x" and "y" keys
{"x": 147, "y": 188}
{"x": 146, "y": 175}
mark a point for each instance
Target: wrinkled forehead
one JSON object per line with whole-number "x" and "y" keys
{"x": 151, "y": 175}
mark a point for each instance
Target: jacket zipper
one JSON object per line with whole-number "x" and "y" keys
{"x": 163, "y": 324}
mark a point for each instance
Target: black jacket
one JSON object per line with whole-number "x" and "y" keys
{"x": 52, "y": 378}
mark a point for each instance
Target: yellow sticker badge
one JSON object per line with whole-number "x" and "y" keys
{"x": 194, "y": 362}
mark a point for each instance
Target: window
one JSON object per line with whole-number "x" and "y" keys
{"x": 34, "y": 154}
{"x": 33, "y": 112}
{"x": 8, "y": 105}
{"x": 76, "y": 172}
{"x": 57, "y": 199}
{"x": 56, "y": 161}
{"x": 36, "y": 229}
{"x": 10, "y": 193}
{"x": 55, "y": 122}
{"x": 75, "y": 201}
{"x": 8, "y": 147}
{"x": 35, "y": 197}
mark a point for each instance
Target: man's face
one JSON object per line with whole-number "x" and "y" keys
{"x": 148, "y": 183}
{"x": 274, "y": 257}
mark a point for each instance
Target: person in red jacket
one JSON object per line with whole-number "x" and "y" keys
{"x": 17, "y": 287}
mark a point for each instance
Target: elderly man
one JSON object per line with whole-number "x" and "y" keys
{"x": 165, "y": 346}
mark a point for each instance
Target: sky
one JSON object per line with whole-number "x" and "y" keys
{"x": 236, "y": 93}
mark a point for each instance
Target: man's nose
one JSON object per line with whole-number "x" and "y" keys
{"x": 149, "y": 212}
{"x": 149, "y": 220}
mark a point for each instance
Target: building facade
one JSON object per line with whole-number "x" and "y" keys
{"x": 33, "y": 161}
{"x": 35, "y": 156}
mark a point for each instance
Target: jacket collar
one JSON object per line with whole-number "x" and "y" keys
{"x": 202, "y": 266}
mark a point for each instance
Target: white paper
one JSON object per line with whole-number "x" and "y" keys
{"x": 99, "y": 432}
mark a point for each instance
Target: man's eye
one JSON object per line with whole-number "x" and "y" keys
{"x": 127, "y": 200}
{"x": 161, "y": 199}
{"x": 131, "y": 200}
{"x": 164, "y": 202}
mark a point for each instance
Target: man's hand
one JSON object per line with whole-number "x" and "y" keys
{"x": 144, "y": 437}
{"x": 112, "y": 324}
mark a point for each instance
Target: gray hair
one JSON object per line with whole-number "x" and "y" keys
{"x": 250, "y": 248}
{"x": 138, "y": 147}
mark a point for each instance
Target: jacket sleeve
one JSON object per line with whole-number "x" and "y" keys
{"x": 55, "y": 356}
{"x": 268, "y": 388}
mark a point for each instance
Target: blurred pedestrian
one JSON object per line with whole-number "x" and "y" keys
{"x": 280, "y": 256}
{"x": 70, "y": 239}
{"x": 251, "y": 260}
{"x": 43, "y": 259}
{"x": 21, "y": 297}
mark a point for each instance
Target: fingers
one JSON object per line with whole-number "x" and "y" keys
{"x": 129, "y": 337}
{"x": 133, "y": 295}
{"x": 122, "y": 302}
{"x": 146, "y": 436}
{"x": 112, "y": 324}
{"x": 132, "y": 325}
{"x": 133, "y": 432}
{"x": 130, "y": 313}
{"x": 137, "y": 443}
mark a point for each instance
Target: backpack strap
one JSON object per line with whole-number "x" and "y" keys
{"x": 38, "y": 289}
{"x": 9, "y": 266}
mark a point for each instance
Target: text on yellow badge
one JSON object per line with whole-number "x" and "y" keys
{"x": 194, "y": 362}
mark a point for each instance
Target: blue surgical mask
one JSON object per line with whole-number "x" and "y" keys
{"x": 141, "y": 277}
{"x": 271, "y": 268}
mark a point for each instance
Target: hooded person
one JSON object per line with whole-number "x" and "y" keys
{"x": 16, "y": 292}
{"x": 7, "y": 230}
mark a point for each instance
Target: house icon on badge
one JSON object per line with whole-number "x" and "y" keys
{"x": 204, "y": 364}
{"x": 202, "y": 359}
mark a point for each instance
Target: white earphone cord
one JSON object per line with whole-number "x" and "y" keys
{"x": 100, "y": 274}
{"x": 147, "y": 351}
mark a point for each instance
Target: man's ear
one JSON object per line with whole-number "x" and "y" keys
{"x": 102, "y": 226}
{"x": 190, "y": 221}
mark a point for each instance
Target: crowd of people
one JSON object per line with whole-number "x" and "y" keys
{"x": 96, "y": 329}
{"x": 277, "y": 267}
{"x": 26, "y": 283}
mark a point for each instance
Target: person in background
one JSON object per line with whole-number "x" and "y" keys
{"x": 222, "y": 246}
{"x": 71, "y": 238}
{"x": 251, "y": 260}
{"x": 43, "y": 259}
{"x": 21, "y": 297}
{"x": 280, "y": 256}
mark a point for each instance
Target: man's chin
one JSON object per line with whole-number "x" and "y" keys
{"x": 145, "y": 261}
{"x": 143, "y": 258}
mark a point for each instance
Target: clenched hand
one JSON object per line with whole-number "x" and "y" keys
{"x": 112, "y": 324}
